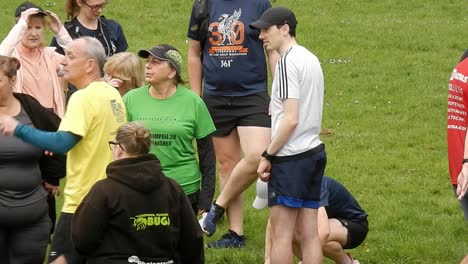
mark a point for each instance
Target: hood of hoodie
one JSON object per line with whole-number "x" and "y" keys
{"x": 143, "y": 173}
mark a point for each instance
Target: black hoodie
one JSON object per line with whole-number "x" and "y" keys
{"x": 137, "y": 213}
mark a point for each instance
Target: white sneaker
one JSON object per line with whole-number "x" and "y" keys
{"x": 356, "y": 261}
{"x": 201, "y": 220}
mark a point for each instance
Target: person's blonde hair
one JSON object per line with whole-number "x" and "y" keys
{"x": 134, "y": 138}
{"x": 127, "y": 67}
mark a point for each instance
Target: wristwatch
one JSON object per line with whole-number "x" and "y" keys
{"x": 266, "y": 155}
{"x": 463, "y": 162}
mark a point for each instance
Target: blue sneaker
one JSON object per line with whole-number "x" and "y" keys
{"x": 211, "y": 219}
{"x": 228, "y": 240}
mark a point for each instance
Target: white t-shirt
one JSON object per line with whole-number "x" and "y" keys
{"x": 298, "y": 75}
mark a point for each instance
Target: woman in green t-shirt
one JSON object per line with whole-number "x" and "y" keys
{"x": 175, "y": 116}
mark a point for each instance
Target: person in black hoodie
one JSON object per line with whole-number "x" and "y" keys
{"x": 136, "y": 214}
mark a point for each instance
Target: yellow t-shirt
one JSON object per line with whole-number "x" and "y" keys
{"x": 94, "y": 113}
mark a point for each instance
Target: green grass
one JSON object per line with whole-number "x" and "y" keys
{"x": 386, "y": 107}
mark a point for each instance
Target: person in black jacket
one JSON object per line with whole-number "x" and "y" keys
{"x": 136, "y": 214}
{"x": 29, "y": 178}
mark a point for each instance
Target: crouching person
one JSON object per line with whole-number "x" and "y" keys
{"x": 136, "y": 214}
{"x": 342, "y": 223}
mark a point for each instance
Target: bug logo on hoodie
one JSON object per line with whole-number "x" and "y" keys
{"x": 142, "y": 221}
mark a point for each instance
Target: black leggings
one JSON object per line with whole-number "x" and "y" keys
{"x": 24, "y": 233}
{"x": 193, "y": 198}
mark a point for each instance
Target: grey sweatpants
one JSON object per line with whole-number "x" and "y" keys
{"x": 24, "y": 233}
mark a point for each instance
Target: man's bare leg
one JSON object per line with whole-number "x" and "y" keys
{"x": 307, "y": 235}
{"x": 267, "y": 243}
{"x": 296, "y": 247}
{"x": 282, "y": 221}
{"x": 228, "y": 154}
{"x": 253, "y": 141}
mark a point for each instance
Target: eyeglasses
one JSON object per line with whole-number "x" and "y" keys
{"x": 95, "y": 7}
{"x": 112, "y": 145}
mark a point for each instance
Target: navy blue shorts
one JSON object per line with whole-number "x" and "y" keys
{"x": 295, "y": 180}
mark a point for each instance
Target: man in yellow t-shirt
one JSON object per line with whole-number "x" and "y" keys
{"x": 94, "y": 113}
{"x": 91, "y": 120}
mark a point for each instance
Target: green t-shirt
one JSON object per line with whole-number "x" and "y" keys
{"x": 174, "y": 123}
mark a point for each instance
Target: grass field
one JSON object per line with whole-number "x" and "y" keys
{"x": 386, "y": 66}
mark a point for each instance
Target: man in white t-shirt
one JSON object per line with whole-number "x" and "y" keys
{"x": 294, "y": 162}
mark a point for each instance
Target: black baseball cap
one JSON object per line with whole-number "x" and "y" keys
{"x": 275, "y": 16}
{"x": 27, "y": 5}
{"x": 164, "y": 52}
